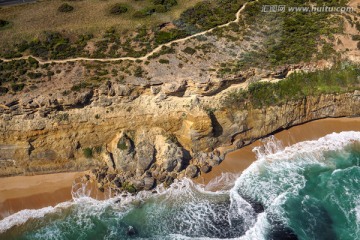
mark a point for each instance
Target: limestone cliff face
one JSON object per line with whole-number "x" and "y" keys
{"x": 154, "y": 135}
{"x": 244, "y": 126}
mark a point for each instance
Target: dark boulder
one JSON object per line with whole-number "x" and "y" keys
{"x": 131, "y": 231}
{"x": 168, "y": 181}
{"x": 117, "y": 182}
{"x": 149, "y": 183}
{"x": 191, "y": 171}
{"x": 205, "y": 168}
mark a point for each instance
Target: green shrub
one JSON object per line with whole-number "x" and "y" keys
{"x": 129, "y": 187}
{"x": 122, "y": 144}
{"x": 50, "y": 73}
{"x": 189, "y": 50}
{"x": 164, "y": 61}
{"x": 163, "y": 5}
{"x": 356, "y": 37}
{"x": 138, "y": 72}
{"x": 160, "y": 9}
{"x": 65, "y": 7}
{"x": 164, "y": 37}
{"x": 3, "y": 90}
{"x": 168, "y": 3}
{"x": 34, "y": 75}
{"x": 101, "y": 72}
{"x": 3, "y": 23}
{"x": 16, "y": 87}
{"x": 118, "y": 9}
{"x": 144, "y": 12}
{"x": 33, "y": 62}
{"x": 79, "y": 86}
{"x": 98, "y": 149}
{"x": 88, "y": 152}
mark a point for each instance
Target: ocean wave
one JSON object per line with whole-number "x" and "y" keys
{"x": 274, "y": 150}
{"x": 278, "y": 174}
{"x": 191, "y": 210}
{"x": 25, "y": 215}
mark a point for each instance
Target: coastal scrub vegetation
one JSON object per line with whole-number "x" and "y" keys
{"x": 189, "y": 50}
{"x": 3, "y": 23}
{"x": 121, "y": 145}
{"x": 164, "y": 61}
{"x": 208, "y": 14}
{"x": 118, "y": 9}
{"x": 286, "y": 37}
{"x": 158, "y": 6}
{"x": 14, "y": 75}
{"x": 111, "y": 36}
{"x": 339, "y": 79}
{"x": 65, "y": 7}
{"x": 129, "y": 187}
{"x": 88, "y": 152}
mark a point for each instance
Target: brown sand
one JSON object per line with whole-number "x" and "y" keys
{"x": 34, "y": 192}
{"x": 237, "y": 161}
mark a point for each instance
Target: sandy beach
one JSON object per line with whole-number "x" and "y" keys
{"x": 237, "y": 161}
{"x": 33, "y": 192}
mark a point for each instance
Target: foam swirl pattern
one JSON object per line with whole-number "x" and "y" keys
{"x": 309, "y": 190}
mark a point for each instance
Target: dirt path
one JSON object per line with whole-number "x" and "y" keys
{"x": 237, "y": 18}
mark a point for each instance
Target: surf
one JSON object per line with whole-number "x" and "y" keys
{"x": 304, "y": 191}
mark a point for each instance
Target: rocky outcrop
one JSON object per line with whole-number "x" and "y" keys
{"x": 139, "y": 137}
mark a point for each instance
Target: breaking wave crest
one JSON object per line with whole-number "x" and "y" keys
{"x": 280, "y": 194}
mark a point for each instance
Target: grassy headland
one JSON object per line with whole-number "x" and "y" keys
{"x": 339, "y": 79}
{"x": 54, "y": 30}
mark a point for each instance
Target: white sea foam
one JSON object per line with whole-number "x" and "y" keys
{"x": 273, "y": 155}
{"x": 274, "y": 150}
{"x": 357, "y": 213}
{"x": 258, "y": 230}
{"x": 24, "y": 215}
{"x": 85, "y": 206}
{"x": 271, "y": 145}
{"x": 278, "y": 172}
{"x": 225, "y": 181}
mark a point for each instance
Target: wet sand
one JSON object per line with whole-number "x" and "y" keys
{"x": 239, "y": 160}
{"x": 34, "y": 192}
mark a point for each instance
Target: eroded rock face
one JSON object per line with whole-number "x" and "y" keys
{"x": 170, "y": 156}
{"x": 174, "y": 88}
{"x": 145, "y": 153}
{"x": 124, "y": 153}
{"x": 149, "y": 183}
{"x": 136, "y": 135}
{"x": 196, "y": 131}
{"x": 191, "y": 171}
{"x": 205, "y": 168}
{"x": 152, "y": 149}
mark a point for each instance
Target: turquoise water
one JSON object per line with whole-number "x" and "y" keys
{"x": 306, "y": 191}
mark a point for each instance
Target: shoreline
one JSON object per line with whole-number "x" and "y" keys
{"x": 35, "y": 192}
{"x": 237, "y": 161}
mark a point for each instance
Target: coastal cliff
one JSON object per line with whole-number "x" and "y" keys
{"x": 141, "y": 136}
